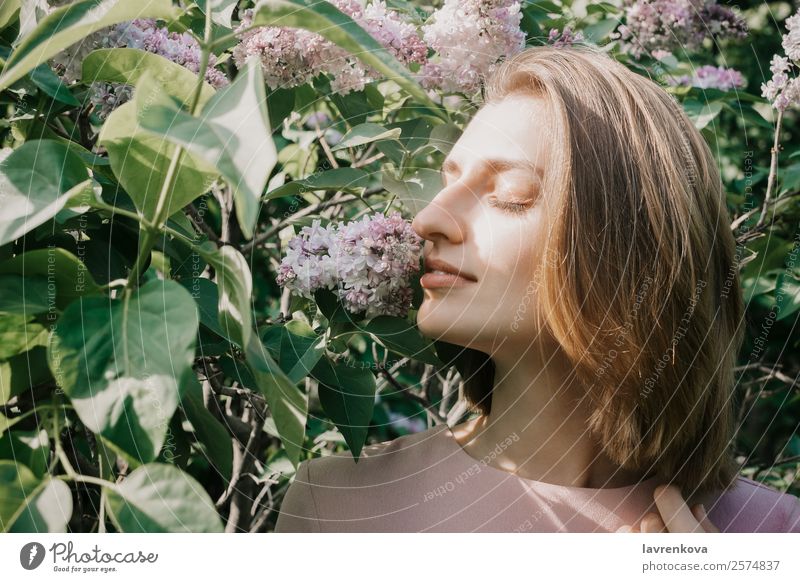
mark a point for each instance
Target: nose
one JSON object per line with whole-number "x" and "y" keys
{"x": 443, "y": 216}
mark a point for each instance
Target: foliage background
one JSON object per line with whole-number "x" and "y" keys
{"x": 220, "y": 404}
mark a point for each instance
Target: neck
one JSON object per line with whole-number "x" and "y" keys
{"x": 537, "y": 402}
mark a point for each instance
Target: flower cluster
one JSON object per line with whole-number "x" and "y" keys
{"x": 783, "y": 90}
{"x": 367, "y": 262}
{"x": 566, "y": 37}
{"x": 291, "y": 56}
{"x": 143, "y": 34}
{"x": 670, "y": 25}
{"x": 180, "y": 48}
{"x": 470, "y": 37}
{"x": 711, "y": 77}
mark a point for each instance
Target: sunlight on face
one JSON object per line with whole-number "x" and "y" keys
{"x": 489, "y": 221}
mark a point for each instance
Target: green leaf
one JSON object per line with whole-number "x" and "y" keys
{"x": 36, "y": 181}
{"x": 287, "y": 404}
{"x": 30, "y": 505}
{"x": 18, "y": 333}
{"x": 221, "y": 10}
{"x": 347, "y": 395}
{"x": 787, "y": 296}
{"x": 235, "y": 284}
{"x": 160, "y": 498}
{"x": 366, "y": 133}
{"x": 128, "y": 65}
{"x": 403, "y": 337}
{"x": 444, "y": 136}
{"x": 232, "y": 132}
{"x": 416, "y": 190}
{"x": 702, "y": 113}
{"x": 297, "y": 347}
{"x": 9, "y": 10}
{"x": 30, "y": 448}
{"x": 121, "y": 362}
{"x": 325, "y": 19}
{"x": 64, "y": 270}
{"x": 71, "y": 23}
{"x": 344, "y": 179}
{"x": 600, "y": 30}
{"x": 25, "y": 295}
{"x": 206, "y": 294}
{"x": 20, "y": 372}
{"x": 207, "y": 428}
{"x": 44, "y": 78}
{"x": 140, "y": 159}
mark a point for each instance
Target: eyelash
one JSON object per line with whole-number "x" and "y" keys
{"x": 512, "y": 207}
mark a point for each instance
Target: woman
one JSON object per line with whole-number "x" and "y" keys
{"x": 596, "y": 292}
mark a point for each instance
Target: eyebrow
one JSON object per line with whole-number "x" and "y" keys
{"x": 498, "y": 165}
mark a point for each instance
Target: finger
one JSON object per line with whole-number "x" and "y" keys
{"x": 674, "y": 512}
{"x": 652, "y": 523}
{"x": 699, "y": 512}
{"x": 625, "y": 529}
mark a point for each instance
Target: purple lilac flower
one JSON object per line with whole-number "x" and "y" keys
{"x": 783, "y": 90}
{"x": 291, "y": 57}
{"x": 367, "y": 262}
{"x": 564, "y": 38}
{"x": 470, "y": 37}
{"x": 670, "y": 25}
{"x": 711, "y": 77}
{"x": 180, "y": 48}
{"x": 143, "y": 34}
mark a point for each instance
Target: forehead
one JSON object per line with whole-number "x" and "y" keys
{"x": 512, "y": 128}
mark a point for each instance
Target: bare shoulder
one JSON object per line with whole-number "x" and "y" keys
{"x": 398, "y": 458}
{"x": 750, "y": 506}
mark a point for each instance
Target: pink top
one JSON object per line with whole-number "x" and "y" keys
{"x": 426, "y": 482}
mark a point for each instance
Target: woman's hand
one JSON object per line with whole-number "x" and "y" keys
{"x": 673, "y": 515}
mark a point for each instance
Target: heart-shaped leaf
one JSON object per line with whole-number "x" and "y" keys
{"x": 160, "y": 498}
{"x": 121, "y": 361}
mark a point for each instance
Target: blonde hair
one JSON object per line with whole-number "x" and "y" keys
{"x": 644, "y": 298}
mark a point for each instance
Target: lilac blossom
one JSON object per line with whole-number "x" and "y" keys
{"x": 783, "y": 90}
{"x": 711, "y": 77}
{"x": 670, "y": 25}
{"x": 291, "y": 57}
{"x": 143, "y": 34}
{"x": 470, "y": 38}
{"x": 566, "y": 37}
{"x": 367, "y": 263}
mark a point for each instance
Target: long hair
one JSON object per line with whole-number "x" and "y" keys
{"x": 645, "y": 298}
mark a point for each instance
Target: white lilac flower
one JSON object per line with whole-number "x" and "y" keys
{"x": 470, "y": 38}
{"x": 711, "y": 77}
{"x": 783, "y": 89}
{"x": 672, "y": 25}
{"x": 367, "y": 263}
{"x": 291, "y": 57}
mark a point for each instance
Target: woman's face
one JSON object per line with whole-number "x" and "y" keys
{"x": 489, "y": 222}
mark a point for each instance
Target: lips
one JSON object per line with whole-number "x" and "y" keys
{"x": 439, "y": 273}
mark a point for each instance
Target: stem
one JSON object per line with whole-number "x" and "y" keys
{"x": 152, "y": 230}
{"x": 773, "y": 169}
{"x": 60, "y": 454}
{"x": 79, "y": 478}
